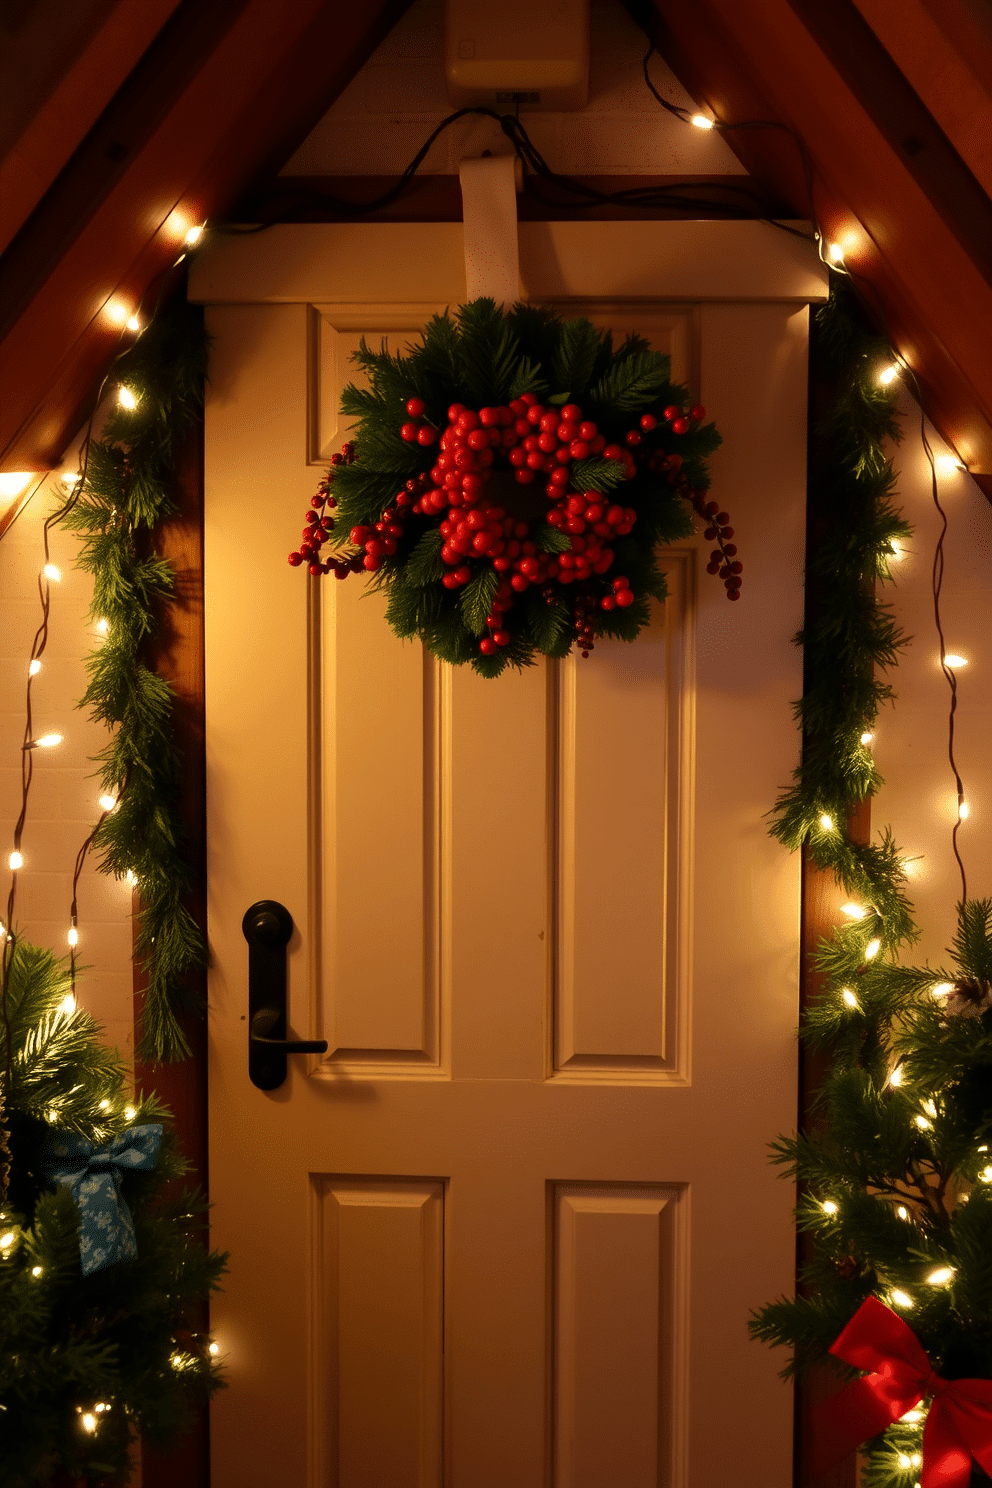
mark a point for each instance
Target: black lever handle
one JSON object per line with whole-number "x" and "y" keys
{"x": 267, "y": 927}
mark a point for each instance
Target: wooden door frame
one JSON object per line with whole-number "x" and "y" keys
{"x": 178, "y": 656}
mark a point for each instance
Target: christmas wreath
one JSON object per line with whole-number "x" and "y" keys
{"x": 508, "y": 482}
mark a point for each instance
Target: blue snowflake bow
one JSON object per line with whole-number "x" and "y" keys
{"x": 93, "y": 1176}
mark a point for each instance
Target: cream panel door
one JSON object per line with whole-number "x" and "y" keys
{"x": 509, "y": 1228}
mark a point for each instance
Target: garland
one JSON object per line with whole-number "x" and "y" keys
{"x": 125, "y": 492}
{"x": 508, "y": 483}
{"x": 87, "y": 1362}
{"x": 895, "y": 1169}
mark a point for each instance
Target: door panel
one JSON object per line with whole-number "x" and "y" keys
{"x": 509, "y": 1228}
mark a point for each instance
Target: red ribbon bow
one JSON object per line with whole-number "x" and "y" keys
{"x": 959, "y": 1422}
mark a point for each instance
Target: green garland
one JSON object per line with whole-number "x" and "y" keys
{"x": 894, "y": 1168}
{"x": 122, "y": 1335}
{"x": 125, "y": 493}
{"x": 541, "y": 576}
{"x": 853, "y": 636}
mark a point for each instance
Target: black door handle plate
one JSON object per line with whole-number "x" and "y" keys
{"x": 267, "y": 927}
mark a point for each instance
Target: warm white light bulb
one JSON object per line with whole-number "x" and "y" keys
{"x": 701, "y": 121}
{"x": 986, "y": 1174}
{"x": 903, "y": 1459}
{"x": 88, "y": 1421}
{"x": 829, "y": 1206}
{"x": 902, "y": 1212}
{"x": 854, "y": 911}
{"x": 889, "y": 374}
{"x": 35, "y": 1270}
{"x": 941, "y": 1276}
{"x": 105, "y": 1105}
{"x": 895, "y": 1078}
{"x": 941, "y": 989}
{"x": 872, "y": 949}
{"x": 193, "y": 236}
{"x": 52, "y": 573}
{"x": 129, "y": 1113}
{"x": 867, "y": 737}
{"x": 849, "y": 997}
{"x": 107, "y": 803}
{"x": 912, "y": 1416}
{"x": 134, "y": 324}
{"x": 7, "y": 1240}
{"x": 73, "y": 936}
{"x": 949, "y": 464}
{"x": 964, "y": 810}
{"x": 16, "y": 861}
{"x": 215, "y": 1348}
{"x": 34, "y": 667}
{"x": 930, "y": 1108}
{"x": 922, "y": 1123}
{"x": 12, "y": 482}
{"x": 126, "y": 398}
{"x": 70, "y": 478}
{"x": 895, "y": 548}
{"x": 130, "y": 878}
{"x": 103, "y": 626}
{"x": 953, "y": 660}
{"x": 48, "y": 741}
{"x": 68, "y": 1003}
{"x": 116, "y": 311}
{"x": 901, "y": 1299}
{"x": 827, "y": 822}
{"x": 835, "y": 253}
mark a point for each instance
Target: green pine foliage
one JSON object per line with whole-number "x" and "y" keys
{"x": 894, "y": 1168}
{"x": 853, "y": 637}
{"x": 127, "y": 490}
{"x": 895, "y": 1172}
{"x": 482, "y": 356}
{"x": 122, "y": 1336}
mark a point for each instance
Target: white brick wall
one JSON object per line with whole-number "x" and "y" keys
{"x": 63, "y": 801}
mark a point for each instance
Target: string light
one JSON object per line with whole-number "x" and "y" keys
{"x": 214, "y": 1348}
{"x": 986, "y": 1174}
{"x": 73, "y": 936}
{"x": 849, "y": 997}
{"x": 68, "y": 1003}
{"x": 902, "y": 1212}
{"x": 47, "y": 741}
{"x": 949, "y": 464}
{"x": 126, "y": 398}
{"x": 941, "y": 989}
{"x": 131, "y": 878}
{"x": 702, "y": 122}
{"x": 103, "y": 626}
{"x": 12, "y": 482}
{"x": 34, "y": 667}
{"x": 964, "y": 810}
{"x": 105, "y": 1105}
{"x": 922, "y": 1123}
{"x": 953, "y": 660}
{"x": 134, "y": 324}
{"x": 930, "y": 1108}
{"x": 196, "y": 233}
{"x": 88, "y": 1421}
{"x": 889, "y": 374}
{"x": 35, "y": 1270}
{"x": 900, "y": 1298}
{"x": 829, "y": 1206}
{"x": 16, "y": 861}
{"x": 854, "y": 911}
{"x": 70, "y": 478}
{"x": 827, "y": 822}
{"x": 835, "y": 253}
{"x": 53, "y": 574}
{"x": 107, "y": 803}
{"x": 117, "y": 312}
{"x": 912, "y": 1416}
{"x": 867, "y": 737}
{"x": 941, "y": 1276}
{"x": 129, "y": 1113}
{"x": 872, "y": 949}
{"x": 895, "y": 1079}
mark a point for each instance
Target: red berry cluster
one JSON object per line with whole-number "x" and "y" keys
{"x": 723, "y": 558}
{"x": 480, "y": 522}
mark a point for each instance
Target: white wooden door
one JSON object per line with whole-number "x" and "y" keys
{"x": 507, "y": 1232}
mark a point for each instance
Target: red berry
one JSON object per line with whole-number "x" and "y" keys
{"x": 415, "y": 407}
{"x": 733, "y": 594}
{"x": 722, "y": 519}
{"x": 296, "y": 559}
{"x": 316, "y": 569}
{"x": 697, "y": 412}
{"x": 488, "y": 417}
{"x": 608, "y": 602}
{"x": 671, "y": 412}
{"x": 648, "y": 422}
{"x": 572, "y": 412}
{"x": 680, "y": 426}
{"x": 426, "y": 435}
{"x": 408, "y": 432}
{"x": 370, "y": 562}
{"x": 613, "y": 452}
{"x": 632, "y": 437}
{"x": 578, "y": 449}
{"x": 487, "y": 647}
{"x": 624, "y": 597}
{"x": 455, "y": 411}
{"x": 501, "y": 637}
{"x": 588, "y": 430}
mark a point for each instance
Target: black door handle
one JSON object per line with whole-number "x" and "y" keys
{"x": 267, "y": 927}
